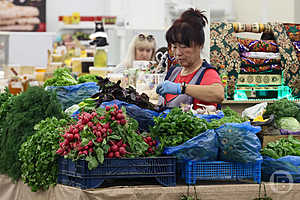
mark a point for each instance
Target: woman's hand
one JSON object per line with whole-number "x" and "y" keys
{"x": 168, "y": 87}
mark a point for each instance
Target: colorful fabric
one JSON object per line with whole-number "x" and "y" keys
{"x": 261, "y": 55}
{"x": 288, "y": 57}
{"x": 258, "y": 61}
{"x": 262, "y": 69}
{"x": 293, "y": 31}
{"x": 224, "y": 51}
{"x": 297, "y": 45}
{"x": 257, "y": 45}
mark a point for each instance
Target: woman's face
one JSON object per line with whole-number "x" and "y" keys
{"x": 186, "y": 56}
{"x": 143, "y": 53}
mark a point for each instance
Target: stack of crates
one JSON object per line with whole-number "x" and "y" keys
{"x": 192, "y": 171}
{"x": 77, "y": 174}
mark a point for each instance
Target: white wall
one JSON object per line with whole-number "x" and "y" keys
{"x": 263, "y": 11}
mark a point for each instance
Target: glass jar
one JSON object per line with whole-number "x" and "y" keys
{"x": 100, "y": 57}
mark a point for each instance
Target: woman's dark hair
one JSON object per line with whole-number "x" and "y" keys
{"x": 188, "y": 29}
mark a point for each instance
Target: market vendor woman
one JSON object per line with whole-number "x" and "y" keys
{"x": 195, "y": 81}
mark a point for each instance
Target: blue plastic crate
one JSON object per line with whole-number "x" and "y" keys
{"x": 286, "y": 177}
{"x": 77, "y": 173}
{"x": 192, "y": 171}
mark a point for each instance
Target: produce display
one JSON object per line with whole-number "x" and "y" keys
{"x": 112, "y": 122}
{"x": 104, "y": 133}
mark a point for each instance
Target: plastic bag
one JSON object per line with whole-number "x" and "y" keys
{"x": 203, "y": 147}
{"x": 254, "y": 111}
{"x": 74, "y": 94}
{"x": 289, "y": 164}
{"x": 143, "y": 116}
{"x": 208, "y": 118}
{"x": 288, "y": 123}
{"x": 238, "y": 142}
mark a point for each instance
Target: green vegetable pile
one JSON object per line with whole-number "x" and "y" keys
{"x": 22, "y": 113}
{"x": 282, "y": 108}
{"x": 282, "y": 147}
{"x": 61, "y": 77}
{"x": 38, "y": 154}
{"x": 87, "y": 78}
{"x": 230, "y": 116}
{"x": 177, "y": 127}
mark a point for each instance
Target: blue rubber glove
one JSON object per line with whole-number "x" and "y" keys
{"x": 168, "y": 87}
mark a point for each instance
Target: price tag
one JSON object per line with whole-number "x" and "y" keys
{"x": 16, "y": 84}
{"x": 34, "y": 83}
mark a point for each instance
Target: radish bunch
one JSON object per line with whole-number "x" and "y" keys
{"x": 117, "y": 149}
{"x": 151, "y": 145}
{"x": 104, "y": 133}
{"x": 98, "y": 125}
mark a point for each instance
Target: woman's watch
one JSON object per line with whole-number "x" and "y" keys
{"x": 183, "y": 87}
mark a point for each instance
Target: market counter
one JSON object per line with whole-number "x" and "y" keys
{"x": 205, "y": 191}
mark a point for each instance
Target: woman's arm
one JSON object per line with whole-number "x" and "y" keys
{"x": 213, "y": 93}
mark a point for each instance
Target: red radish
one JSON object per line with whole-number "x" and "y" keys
{"x": 114, "y": 148}
{"x": 120, "y": 111}
{"x": 118, "y": 122}
{"x": 59, "y": 151}
{"x": 102, "y": 117}
{"x": 145, "y": 139}
{"x": 81, "y": 127}
{"x": 86, "y": 147}
{"x": 80, "y": 152}
{"x": 113, "y": 118}
{"x": 104, "y": 130}
{"x": 66, "y": 143}
{"x": 85, "y": 152}
{"x": 124, "y": 145}
{"x": 123, "y": 122}
{"x": 90, "y": 124}
{"x": 106, "y": 125}
{"x": 116, "y": 106}
{"x": 70, "y": 137}
{"x": 90, "y": 143}
{"x": 80, "y": 148}
{"x": 75, "y": 131}
{"x": 99, "y": 140}
{"x": 150, "y": 149}
{"x": 153, "y": 142}
{"x": 91, "y": 150}
{"x": 117, "y": 154}
{"x": 107, "y": 108}
{"x": 149, "y": 139}
{"x": 120, "y": 116}
{"x": 150, "y": 144}
{"x": 122, "y": 151}
{"x": 110, "y": 155}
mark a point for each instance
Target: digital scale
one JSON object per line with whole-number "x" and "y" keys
{"x": 261, "y": 86}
